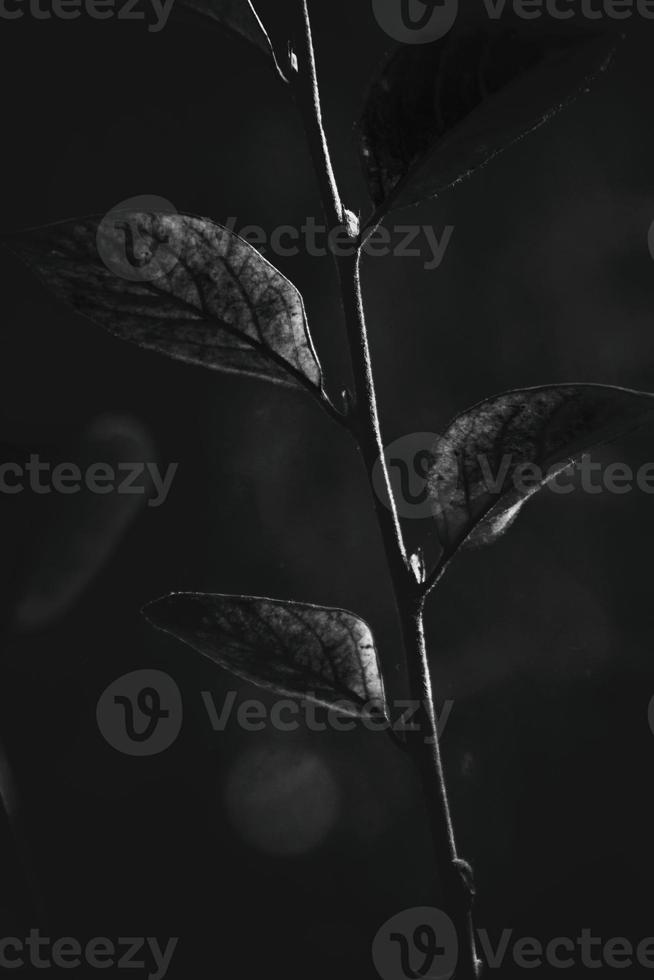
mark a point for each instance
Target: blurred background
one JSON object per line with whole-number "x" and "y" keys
{"x": 269, "y": 853}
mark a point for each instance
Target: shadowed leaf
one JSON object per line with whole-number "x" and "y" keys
{"x": 325, "y": 655}
{"x": 79, "y": 531}
{"x": 439, "y": 111}
{"x": 239, "y": 16}
{"x": 477, "y": 477}
{"x": 179, "y": 285}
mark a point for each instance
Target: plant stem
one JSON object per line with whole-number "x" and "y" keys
{"x": 409, "y": 589}
{"x": 309, "y": 95}
{"x": 423, "y": 743}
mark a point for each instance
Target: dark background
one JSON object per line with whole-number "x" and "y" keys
{"x": 282, "y": 855}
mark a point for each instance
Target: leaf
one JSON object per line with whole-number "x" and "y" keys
{"x": 179, "y": 285}
{"x": 439, "y": 111}
{"x": 325, "y": 655}
{"x": 78, "y": 532}
{"x": 239, "y": 16}
{"x": 476, "y": 476}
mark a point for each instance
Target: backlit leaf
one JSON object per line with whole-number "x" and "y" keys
{"x": 325, "y": 655}
{"x": 478, "y": 475}
{"x": 437, "y": 112}
{"x": 179, "y": 285}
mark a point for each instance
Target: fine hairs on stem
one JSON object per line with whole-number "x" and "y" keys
{"x": 409, "y": 590}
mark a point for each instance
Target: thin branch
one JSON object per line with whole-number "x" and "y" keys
{"x": 366, "y": 425}
{"x": 436, "y": 574}
{"x": 364, "y": 419}
{"x": 309, "y": 97}
{"x": 409, "y": 589}
{"x": 372, "y": 223}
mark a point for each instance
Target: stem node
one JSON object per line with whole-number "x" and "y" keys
{"x": 408, "y": 575}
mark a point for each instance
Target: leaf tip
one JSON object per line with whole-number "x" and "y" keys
{"x": 157, "y": 611}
